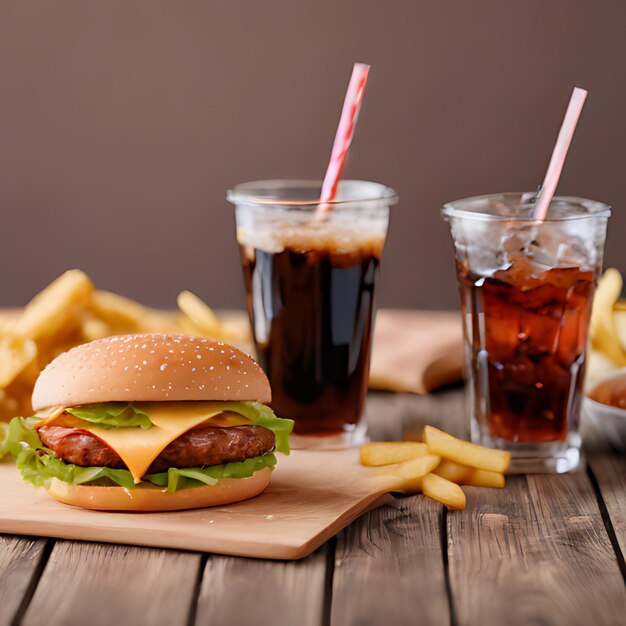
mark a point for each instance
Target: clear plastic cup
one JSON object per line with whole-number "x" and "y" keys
{"x": 526, "y": 294}
{"x": 310, "y": 281}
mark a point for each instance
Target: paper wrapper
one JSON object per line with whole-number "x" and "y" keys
{"x": 416, "y": 351}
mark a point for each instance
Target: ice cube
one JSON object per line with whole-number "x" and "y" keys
{"x": 554, "y": 248}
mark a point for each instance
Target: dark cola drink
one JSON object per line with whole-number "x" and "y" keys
{"x": 311, "y": 305}
{"x": 528, "y": 345}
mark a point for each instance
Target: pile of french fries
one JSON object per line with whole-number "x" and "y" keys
{"x": 437, "y": 466}
{"x": 70, "y": 311}
{"x": 607, "y": 329}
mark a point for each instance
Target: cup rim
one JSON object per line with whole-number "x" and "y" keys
{"x": 259, "y": 192}
{"x": 595, "y": 209}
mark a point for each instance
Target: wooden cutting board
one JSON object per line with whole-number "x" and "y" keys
{"x": 312, "y": 496}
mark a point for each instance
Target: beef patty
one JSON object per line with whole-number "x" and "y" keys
{"x": 198, "y": 447}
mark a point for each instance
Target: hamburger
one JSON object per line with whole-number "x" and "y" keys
{"x": 150, "y": 422}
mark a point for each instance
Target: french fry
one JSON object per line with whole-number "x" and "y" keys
{"x": 425, "y": 470}
{"x": 464, "y": 475}
{"x": 92, "y": 328}
{"x": 602, "y": 326}
{"x": 408, "y": 475}
{"x": 157, "y": 321}
{"x": 121, "y": 314}
{"x": 7, "y": 321}
{"x": 186, "y": 326}
{"x": 443, "y": 491}
{"x": 415, "y": 468}
{"x": 16, "y": 354}
{"x": 199, "y": 313}
{"x": 619, "y": 315}
{"x": 236, "y": 329}
{"x": 464, "y": 452}
{"x": 55, "y": 308}
{"x": 388, "y": 453}
{"x": 69, "y": 312}
{"x": 454, "y": 472}
{"x": 15, "y": 399}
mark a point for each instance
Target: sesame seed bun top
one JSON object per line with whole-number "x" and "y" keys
{"x": 148, "y": 368}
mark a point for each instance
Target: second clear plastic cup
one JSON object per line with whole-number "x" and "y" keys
{"x": 526, "y": 294}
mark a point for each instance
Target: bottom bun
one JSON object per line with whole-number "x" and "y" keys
{"x": 225, "y": 491}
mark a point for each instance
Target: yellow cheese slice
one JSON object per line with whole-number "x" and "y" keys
{"x": 49, "y": 415}
{"x": 138, "y": 447}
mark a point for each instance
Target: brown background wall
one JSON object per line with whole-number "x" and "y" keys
{"x": 122, "y": 122}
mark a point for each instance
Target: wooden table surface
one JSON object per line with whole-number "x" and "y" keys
{"x": 545, "y": 550}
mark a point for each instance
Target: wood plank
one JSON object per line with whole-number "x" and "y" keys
{"x": 239, "y": 591}
{"x": 609, "y": 471}
{"x": 389, "y": 567}
{"x": 535, "y": 552}
{"x": 20, "y": 560}
{"x": 98, "y": 584}
{"x": 608, "y": 468}
{"x": 390, "y": 415}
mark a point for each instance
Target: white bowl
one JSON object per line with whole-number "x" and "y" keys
{"x": 609, "y": 420}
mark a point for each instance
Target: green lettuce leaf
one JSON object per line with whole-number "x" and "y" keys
{"x": 38, "y": 466}
{"x": 21, "y": 435}
{"x": 112, "y": 415}
{"x": 185, "y": 477}
{"x": 4, "y": 435}
{"x": 262, "y": 415}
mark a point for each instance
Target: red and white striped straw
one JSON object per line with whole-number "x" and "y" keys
{"x": 343, "y": 137}
{"x": 551, "y": 181}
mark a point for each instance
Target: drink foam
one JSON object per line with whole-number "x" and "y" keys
{"x": 322, "y": 236}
